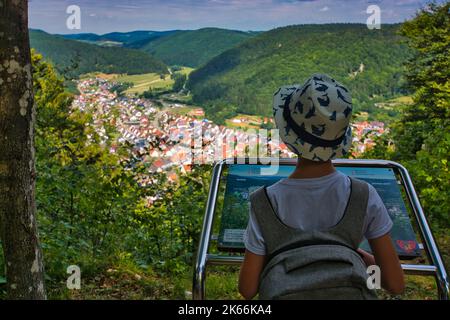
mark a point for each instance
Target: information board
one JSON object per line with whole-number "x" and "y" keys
{"x": 242, "y": 179}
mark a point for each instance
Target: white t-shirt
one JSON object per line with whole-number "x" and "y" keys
{"x": 316, "y": 204}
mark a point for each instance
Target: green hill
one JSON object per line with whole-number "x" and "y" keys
{"x": 74, "y": 57}
{"x": 196, "y": 47}
{"x": 369, "y": 62}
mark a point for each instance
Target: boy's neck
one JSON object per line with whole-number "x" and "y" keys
{"x": 307, "y": 169}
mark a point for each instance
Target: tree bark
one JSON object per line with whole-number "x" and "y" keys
{"x": 18, "y": 231}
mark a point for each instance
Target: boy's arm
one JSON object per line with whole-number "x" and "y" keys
{"x": 377, "y": 232}
{"x": 392, "y": 278}
{"x": 249, "y": 275}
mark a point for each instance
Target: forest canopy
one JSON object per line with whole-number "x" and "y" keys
{"x": 193, "y": 48}
{"x": 369, "y": 62}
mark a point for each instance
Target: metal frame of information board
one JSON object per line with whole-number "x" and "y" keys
{"x": 436, "y": 267}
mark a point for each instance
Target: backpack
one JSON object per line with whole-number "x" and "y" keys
{"x": 314, "y": 264}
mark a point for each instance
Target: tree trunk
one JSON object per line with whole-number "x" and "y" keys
{"x": 18, "y": 231}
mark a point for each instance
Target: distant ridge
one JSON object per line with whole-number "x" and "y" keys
{"x": 67, "y": 53}
{"x": 132, "y": 39}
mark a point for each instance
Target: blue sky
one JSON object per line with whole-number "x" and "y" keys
{"x": 104, "y": 16}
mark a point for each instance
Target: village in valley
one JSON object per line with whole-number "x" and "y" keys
{"x": 170, "y": 136}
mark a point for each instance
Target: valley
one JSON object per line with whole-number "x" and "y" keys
{"x": 230, "y": 90}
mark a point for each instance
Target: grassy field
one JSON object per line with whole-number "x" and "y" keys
{"x": 395, "y": 103}
{"x": 106, "y": 76}
{"x": 142, "y": 82}
{"x": 186, "y": 110}
{"x": 243, "y": 121}
{"x": 403, "y": 100}
{"x": 186, "y": 70}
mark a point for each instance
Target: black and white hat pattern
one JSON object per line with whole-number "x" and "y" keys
{"x": 314, "y": 119}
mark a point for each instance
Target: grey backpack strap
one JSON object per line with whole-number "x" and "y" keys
{"x": 273, "y": 230}
{"x": 351, "y": 225}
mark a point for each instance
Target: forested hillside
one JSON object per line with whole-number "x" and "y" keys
{"x": 74, "y": 57}
{"x": 369, "y": 62}
{"x": 194, "y": 47}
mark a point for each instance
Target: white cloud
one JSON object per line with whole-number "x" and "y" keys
{"x": 324, "y": 9}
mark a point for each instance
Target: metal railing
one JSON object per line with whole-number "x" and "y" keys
{"x": 204, "y": 258}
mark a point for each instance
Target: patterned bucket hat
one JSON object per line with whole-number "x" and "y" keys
{"x": 314, "y": 119}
